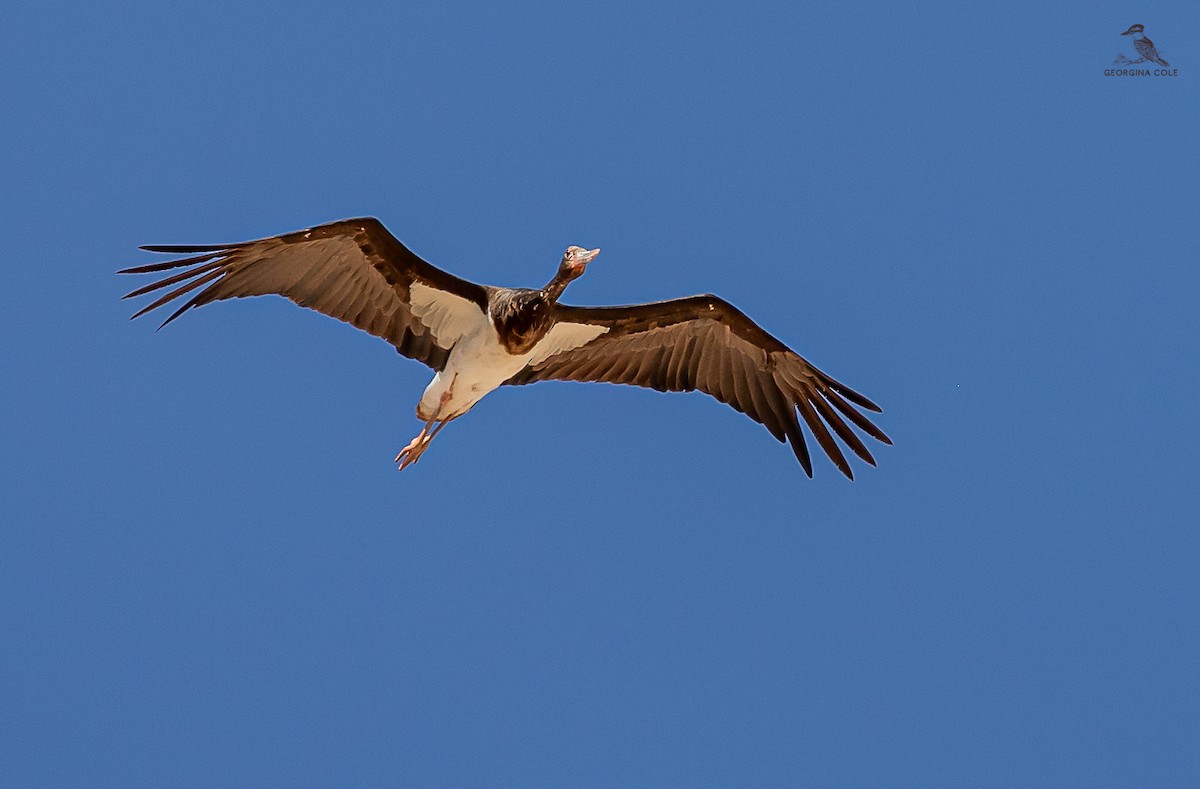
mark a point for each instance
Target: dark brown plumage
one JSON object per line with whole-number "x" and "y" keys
{"x": 353, "y": 270}
{"x": 521, "y": 317}
{"x": 478, "y": 337}
{"x": 705, "y": 343}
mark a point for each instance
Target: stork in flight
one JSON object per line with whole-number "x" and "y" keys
{"x": 478, "y": 337}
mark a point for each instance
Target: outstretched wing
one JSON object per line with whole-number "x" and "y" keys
{"x": 353, "y": 270}
{"x": 705, "y": 343}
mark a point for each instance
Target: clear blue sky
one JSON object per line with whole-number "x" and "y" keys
{"x": 211, "y": 573}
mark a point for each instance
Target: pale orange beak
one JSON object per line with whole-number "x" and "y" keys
{"x": 580, "y": 259}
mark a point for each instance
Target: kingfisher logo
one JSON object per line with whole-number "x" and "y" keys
{"x": 1145, "y": 51}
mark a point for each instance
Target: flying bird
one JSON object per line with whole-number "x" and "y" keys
{"x": 1144, "y": 46}
{"x": 479, "y": 337}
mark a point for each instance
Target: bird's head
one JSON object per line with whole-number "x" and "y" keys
{"x": 1134, "y": 30}
{"x": 574, "y": 263}
{"x": 575, "y": 260}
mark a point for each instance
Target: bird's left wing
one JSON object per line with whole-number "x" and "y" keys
{"x": 353, "y": 270}
{"x": 705, "y": 343}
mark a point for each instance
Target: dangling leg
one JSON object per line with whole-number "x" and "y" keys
{"x": 439, "y": 427}
{"x": 412, "y": 453}
{"x": 416, "y": 446}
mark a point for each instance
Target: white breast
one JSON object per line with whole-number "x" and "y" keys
{"x": 478, "y": 364}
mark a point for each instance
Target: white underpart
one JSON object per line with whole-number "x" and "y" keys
{"x": 478, "y": 363}
{"x": 448, "y": 317}
{"x": 564, "y": 337}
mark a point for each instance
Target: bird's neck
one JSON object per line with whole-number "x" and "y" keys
{"x": 555, "y": 287}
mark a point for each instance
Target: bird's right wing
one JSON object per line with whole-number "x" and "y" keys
{"x": 705, "y": 343}
{"x": 353, "y": 270}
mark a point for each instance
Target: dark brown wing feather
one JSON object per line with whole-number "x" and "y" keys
{"x": 353, "y": 270}
{"x": 705, "y": 343}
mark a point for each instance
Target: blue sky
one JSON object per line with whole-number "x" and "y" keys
{"x": 212, "y": 574}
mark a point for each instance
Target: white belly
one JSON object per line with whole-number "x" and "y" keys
{"x": 477, "y": 364}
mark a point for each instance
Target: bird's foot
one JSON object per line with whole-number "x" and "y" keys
{"x": 412, "y": 453}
